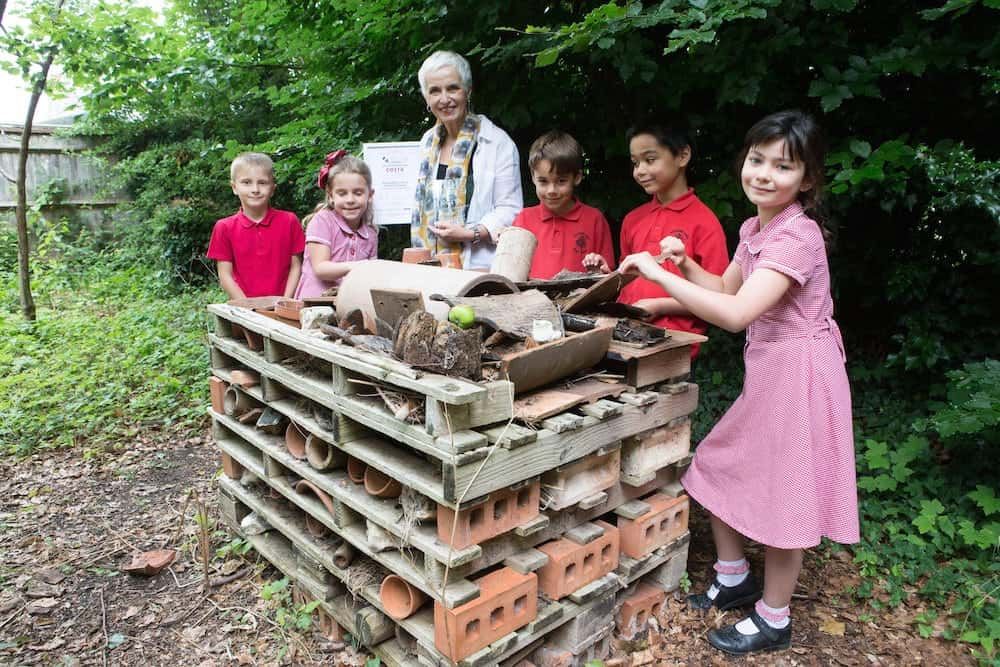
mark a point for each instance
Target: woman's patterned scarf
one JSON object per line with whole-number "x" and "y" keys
{"x": 452, "y": 202}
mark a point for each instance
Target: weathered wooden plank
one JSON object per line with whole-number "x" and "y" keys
{"x": 393, "y": 561}
{"x": 440, "y": 387}
{"x": 526, "y": 561}
{"x": 371, "y": 413}
{"x": 510, "y": 436}
{"x": 537, "y": 405}
{"x": 602, "y": 409}
{"x": 363, "y": 444}
{"x": 343, "y": 608}
{"x": 336, "y": 484}
{"x": 550, "y": 449}
{"x": 561, "y": 423}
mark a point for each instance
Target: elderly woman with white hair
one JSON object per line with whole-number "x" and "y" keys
{"x": 469, "y": 184}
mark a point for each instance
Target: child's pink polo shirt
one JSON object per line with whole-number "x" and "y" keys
{"x": 346, "y": 245}
{"x": 564, "y": 240}
{"x": 261, "y": 252}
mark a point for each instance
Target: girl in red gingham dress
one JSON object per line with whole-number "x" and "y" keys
{"x": 778, "y": 468}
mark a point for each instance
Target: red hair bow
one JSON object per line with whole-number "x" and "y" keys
{"x": 331, "y": 159}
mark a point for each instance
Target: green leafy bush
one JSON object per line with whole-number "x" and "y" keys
{"x": 931, "y": 514}
{"x": 114, "y": 352}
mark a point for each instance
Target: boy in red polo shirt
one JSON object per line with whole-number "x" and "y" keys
{"x": 258, "y": 250}
{"x": 567, "y": 230}
{"x": 660, "y": 157}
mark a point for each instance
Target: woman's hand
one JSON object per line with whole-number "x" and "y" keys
{"x": 450, "y": 232}
{"x": 595, "y": 262}
{"x": 672, "y": 248}
{"x": 641, "y": 263}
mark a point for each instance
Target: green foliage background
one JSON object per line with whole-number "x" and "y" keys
{"x": 907, "y": 93}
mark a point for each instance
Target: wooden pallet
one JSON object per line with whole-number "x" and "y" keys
{"x": 440, "y": 571}
{"x": 462, "y": 465}
{"x": 666, "y": 361}
{"x": 307, "y": 560}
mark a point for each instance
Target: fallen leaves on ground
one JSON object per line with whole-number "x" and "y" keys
{"x": 71, "y": 520}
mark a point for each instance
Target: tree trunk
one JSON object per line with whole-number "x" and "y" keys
{"x": 23, "y": 265}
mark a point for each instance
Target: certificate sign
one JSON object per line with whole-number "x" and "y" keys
{"x": 394, "y": 177}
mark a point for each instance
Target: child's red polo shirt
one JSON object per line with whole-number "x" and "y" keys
{"x": 564, "y": 240}
{"x": 261, "y": 252}
{"x": 692, "y": 222}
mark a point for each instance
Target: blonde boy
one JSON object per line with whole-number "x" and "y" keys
{"x": 258, "y": 250}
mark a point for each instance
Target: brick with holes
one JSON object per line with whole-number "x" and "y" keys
{"x": 638, "y": 608}
{"x": 573, "y": 565}
{"x": 666, "y": 520}
{"x": 507, "y": 602}
{"x": 497, "y": 513}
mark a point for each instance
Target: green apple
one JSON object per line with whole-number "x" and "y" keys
{"x": 462, "y": 316}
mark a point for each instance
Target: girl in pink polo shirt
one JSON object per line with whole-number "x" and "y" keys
{"x": 341, "y": 230}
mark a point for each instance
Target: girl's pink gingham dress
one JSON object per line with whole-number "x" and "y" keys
{"x": 779, "y": 465}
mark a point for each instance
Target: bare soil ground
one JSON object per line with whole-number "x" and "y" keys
{"x": 68, "y": 525}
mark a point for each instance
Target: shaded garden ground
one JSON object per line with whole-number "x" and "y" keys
{"x": 68, "y": 525}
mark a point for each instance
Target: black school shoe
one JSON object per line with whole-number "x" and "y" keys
{"x": 730, "y": 597}
{"x": 732, "y": 641}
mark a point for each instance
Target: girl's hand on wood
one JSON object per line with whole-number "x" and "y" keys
{"x": 641, "y": 263}
{"x": 595, "y": 262}
{"x": 672, "y": 248}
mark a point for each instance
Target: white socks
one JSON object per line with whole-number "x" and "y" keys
{"x": 729, "y": 573}
{"x": 776, "y": 618}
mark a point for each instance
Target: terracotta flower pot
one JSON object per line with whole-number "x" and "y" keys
{"x": 381, "y": 485}
{"x": 295, "y": 440}
{"x": 236, "y": 402}
{"x": 356, "y": 470}
{"x": 416, "y": 255}
{"x": 322, "y": 455}
{"x": 305, "y": 486}
{"x": 399, "y": 598}
{"x": 288, "y": 308}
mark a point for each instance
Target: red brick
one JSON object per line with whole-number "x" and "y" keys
{"x": 638, "y": 608}
{"x": 507, "y": 602}
{"x": 217, "y": 390}
{"x": 572, "y": 565}
{"x": 231, "y": 467}
{"x": 502, "y": 510}
{"x": 666, "y": 520}
{"x": 244, "y": 378}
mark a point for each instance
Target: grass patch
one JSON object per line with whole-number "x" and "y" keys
{"x": 113, "y": 351}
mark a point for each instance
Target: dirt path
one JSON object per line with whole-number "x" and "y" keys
{"x": 68, "y": 525}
